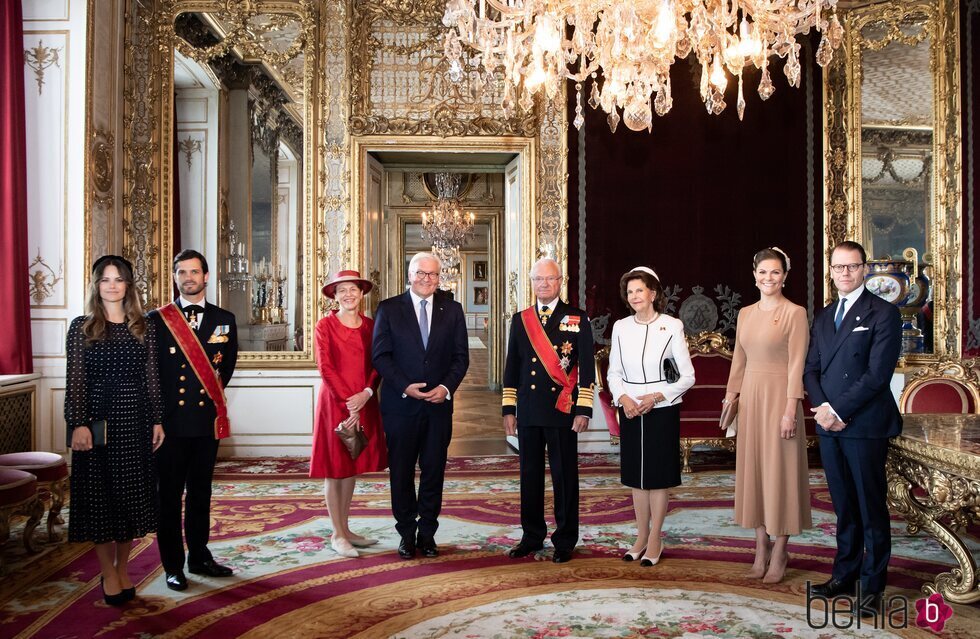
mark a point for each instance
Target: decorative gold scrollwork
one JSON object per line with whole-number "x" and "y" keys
{"x": 951, "y": 503}
{"x": 43, "y": 279}
{"x": 41, "y": 58}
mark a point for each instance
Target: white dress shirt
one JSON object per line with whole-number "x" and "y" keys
{"x": 418, "y": 321}
{"x": 184, "y": 303}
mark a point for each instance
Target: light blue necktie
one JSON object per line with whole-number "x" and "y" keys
{"x": 840, "y": 314}
{"x": 424, "y": 323}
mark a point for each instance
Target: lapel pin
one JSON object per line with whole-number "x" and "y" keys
{"x": 857, "y": 319}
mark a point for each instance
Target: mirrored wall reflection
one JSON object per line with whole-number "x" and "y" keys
{"x": 238, "y": 178}
{"x": 897, "y": 119}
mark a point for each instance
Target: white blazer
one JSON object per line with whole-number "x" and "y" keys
{"x": 636, "y": 359}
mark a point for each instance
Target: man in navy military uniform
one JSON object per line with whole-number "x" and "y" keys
{"x": 547, "y": 401}
{"x": 189, "y": 420}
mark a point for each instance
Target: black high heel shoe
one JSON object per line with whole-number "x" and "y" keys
{"x": 117, "y": 599}
{"x": 129, "y": 593}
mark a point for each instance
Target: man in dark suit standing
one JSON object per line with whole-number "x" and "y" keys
{"x": 198, "y": 348}
{"x": 549, "y": 381}
{"x": 854, "y": 347}
{"x": 421, "y": 351}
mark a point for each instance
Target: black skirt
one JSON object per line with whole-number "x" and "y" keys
{"x": 650, "y": 449}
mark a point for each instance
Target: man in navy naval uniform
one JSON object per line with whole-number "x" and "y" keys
{"x": 854, "y": 347}
{"x": 549, "y": 381}
{"x": 421, "y": 351}
{"x": 187, "y": 458}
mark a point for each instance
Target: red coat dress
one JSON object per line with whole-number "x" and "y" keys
{"x": 343, "y": 356}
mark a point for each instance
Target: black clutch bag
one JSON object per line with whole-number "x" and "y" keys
{"x": 671, "y": 374}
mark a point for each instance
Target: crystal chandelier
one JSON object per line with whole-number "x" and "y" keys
{"x": 632, "y": 44}
{"x": 447, "y": 227}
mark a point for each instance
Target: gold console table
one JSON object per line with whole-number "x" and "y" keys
{"x": 934, "y": 482}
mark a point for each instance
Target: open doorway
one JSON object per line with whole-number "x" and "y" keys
{"x": 395, "y": 189}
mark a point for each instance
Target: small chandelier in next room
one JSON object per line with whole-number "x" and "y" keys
{"x": 632, "y": 44}
{"x": 445, "y": 224}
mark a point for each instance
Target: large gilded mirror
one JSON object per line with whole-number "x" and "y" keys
{"x": 238, "y": 138}
{"x": 900, "y": 140}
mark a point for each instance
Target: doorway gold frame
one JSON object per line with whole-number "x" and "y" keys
{"x": 529, "y": 230}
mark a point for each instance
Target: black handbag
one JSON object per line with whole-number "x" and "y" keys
{"x": 671, "y": 374}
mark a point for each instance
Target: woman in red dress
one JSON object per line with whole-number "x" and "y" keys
{"x": 347, "y": 400}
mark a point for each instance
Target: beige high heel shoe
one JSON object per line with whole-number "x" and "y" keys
{"x": 344, "y": 548}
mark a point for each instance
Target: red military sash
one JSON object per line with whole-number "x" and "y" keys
{"x": 549, "y": 358}
{"x": 193, "y": 350}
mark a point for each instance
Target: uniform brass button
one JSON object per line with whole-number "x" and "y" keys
{"x": 534, "y": 372}
{"x": 200, "y": 403}
{"x": 181, "y": 391}
{"x": 201, "y": 391}
{"x": 532, "y": 386}
{"x": 553, "y": 389}
{"x": 180, "y": 403}
{"x": 182, "y": 378}
{"x": 534, "y": 359}
{"x": 183, "y": 365}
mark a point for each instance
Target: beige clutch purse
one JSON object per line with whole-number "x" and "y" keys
{"x": 729, "y": 415}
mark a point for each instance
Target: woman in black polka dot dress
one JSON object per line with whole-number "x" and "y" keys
{"x": 113, "y": 375}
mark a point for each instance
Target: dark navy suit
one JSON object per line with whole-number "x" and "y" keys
{"x": 417, "y": 430}
{"x": 851, "y": 368}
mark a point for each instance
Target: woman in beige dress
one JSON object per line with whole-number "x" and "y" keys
{"x": 771, "y": 484}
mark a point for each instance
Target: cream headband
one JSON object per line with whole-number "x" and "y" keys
{"x": 783, "y": 253}
{"x": 646, "y": 270}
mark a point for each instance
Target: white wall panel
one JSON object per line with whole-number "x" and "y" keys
{"x": 47, "y": 56}
{"x": 271, "y": 410}
{"x": 46, "y": 10}
{"x": 48, "y": 336}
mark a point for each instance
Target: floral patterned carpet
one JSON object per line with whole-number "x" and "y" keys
{"x": 271, "y": 527}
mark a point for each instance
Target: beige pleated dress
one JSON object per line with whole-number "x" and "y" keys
{"x": 771, "y": 480}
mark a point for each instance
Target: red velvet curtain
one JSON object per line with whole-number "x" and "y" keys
{"x": 697, "y": 197}
{"x": 15, "y": 311}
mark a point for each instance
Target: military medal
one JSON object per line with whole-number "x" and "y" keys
{"x": 566, "y": 348}
{"x": 217, "y": 358}
{"x": 192, "y": 320}
{"x": 565, "y": 362}
{"x": 571, "y": 323}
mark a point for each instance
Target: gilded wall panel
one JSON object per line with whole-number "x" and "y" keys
{"x": 400, "y": 82}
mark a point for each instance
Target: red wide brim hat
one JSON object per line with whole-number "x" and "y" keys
{"x": 346, "y": 276}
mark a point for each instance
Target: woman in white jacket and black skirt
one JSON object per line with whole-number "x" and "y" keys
{"x": 649, "y": 371}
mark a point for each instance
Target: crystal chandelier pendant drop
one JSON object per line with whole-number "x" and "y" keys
{"x": 447, "y": 227}
{"x": 628, "y": 47}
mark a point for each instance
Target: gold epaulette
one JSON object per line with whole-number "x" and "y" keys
{"x": 585, "y": 396}
{"x": 509, "y": 397}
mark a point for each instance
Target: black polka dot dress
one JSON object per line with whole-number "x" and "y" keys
{"x": 113, "y": 486}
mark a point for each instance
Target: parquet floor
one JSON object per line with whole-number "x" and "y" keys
{"x": 477, "y": 426}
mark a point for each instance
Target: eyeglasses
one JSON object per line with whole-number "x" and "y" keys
{"x": 549, "y": 279}
{"x": 851, "y": 268}
{"x": 427, "y": 275}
